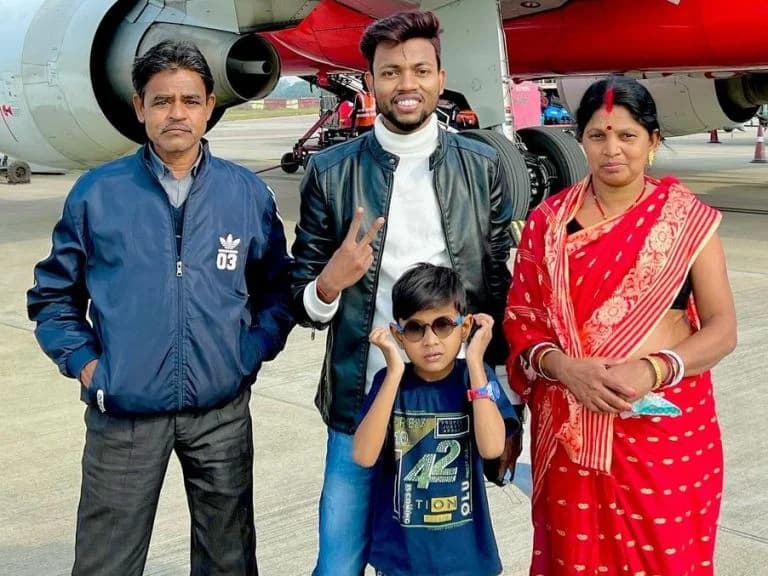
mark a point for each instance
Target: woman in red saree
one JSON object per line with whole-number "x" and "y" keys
{"x": 600, "y": 312}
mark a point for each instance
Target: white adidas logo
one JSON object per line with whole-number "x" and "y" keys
{"x": 226, "y": 258}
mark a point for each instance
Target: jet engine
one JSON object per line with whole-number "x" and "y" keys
{"x": 65, "y": 75}
{"x": 688, "y": 104}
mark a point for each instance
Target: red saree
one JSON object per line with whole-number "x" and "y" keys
{"x": 639, "y": 496}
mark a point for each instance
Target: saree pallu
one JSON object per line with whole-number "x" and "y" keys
{"x": 639, "y": 496}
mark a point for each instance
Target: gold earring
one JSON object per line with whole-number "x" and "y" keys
{"x": 651, "y": 157}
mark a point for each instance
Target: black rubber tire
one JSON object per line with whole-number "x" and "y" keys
{"x": 288, "y": 163}
{"x": 561, "y": 149}
{"x": 513, "y": 168}
{"x": 19, "y": 172}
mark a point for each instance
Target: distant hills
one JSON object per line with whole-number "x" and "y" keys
{"x": 293, "y": 87}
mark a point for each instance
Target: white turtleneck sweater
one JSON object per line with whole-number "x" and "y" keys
{"x": 414, "y": 228}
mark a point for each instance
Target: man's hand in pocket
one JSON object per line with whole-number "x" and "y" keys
{"x": 86, "y": 374}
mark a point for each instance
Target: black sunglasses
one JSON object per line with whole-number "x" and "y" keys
{"x": 442, "y": 327}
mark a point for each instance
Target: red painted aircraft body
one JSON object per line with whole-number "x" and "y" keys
{"x": 582, "y": 37}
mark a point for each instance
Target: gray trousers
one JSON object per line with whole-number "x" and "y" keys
{"x": 124, "y": 464}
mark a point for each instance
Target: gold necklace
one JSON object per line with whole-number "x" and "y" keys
{"x": 600, "y": 206}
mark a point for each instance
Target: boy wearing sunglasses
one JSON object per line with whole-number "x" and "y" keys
{"x": 426, "y": 426}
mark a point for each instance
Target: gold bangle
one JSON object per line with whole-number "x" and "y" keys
{"x": 540, "y": 359}
{"x": 656, "y": 370}
{"x": 533, "y": 351}
{"x": 665, "y": 362}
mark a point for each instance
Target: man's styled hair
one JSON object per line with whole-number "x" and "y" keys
{"x": 426, "y": 286}
{"x": 170, "y": 55}
{"x": 399, "y": 28}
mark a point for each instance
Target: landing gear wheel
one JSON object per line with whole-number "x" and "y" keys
{"x": 288, "y": 163}
{"x": 18, "y": 172}
{"x": 562, "y": 151}
{"x": 513, "y": 167}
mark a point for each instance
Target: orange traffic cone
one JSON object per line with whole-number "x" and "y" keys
{"x": 759, "y": 147}
{"x": 713, "y": 139}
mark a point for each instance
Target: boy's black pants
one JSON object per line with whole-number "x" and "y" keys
{"x": 124, "y": 463}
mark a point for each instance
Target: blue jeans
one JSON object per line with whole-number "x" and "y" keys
{"x": 345, "y": 505}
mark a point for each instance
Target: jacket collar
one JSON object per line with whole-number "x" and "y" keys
{"x": 145, "y": 153}
{"x": 162, "y": 170}
{"x": 442, "y": 147}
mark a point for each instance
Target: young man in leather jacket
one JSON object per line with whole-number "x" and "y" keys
{"x": 405, "y": 192}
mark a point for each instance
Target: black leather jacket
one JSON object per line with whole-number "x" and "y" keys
{"x": 476, "y": 209}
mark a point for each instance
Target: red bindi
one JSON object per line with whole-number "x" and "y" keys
{"x": 609, "y": 127}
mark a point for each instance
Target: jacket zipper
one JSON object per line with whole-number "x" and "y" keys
{"x": 179, "y": 288}
{"x": 178, "y": 252}
{"x": 442, "y": 219}
{"x": 180, "y": 277}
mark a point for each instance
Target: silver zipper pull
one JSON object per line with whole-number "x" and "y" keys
{"x": 312, "y": 335}
{"x": 179, "y": 269}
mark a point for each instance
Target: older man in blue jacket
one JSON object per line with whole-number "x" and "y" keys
{"x": 179, "y": 260}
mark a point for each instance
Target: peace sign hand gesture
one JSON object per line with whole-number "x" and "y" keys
{"x": 350, "y": 261}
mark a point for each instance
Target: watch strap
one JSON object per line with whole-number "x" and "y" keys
{"x": 490, "y": 391}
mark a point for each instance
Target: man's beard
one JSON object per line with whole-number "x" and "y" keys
{"x": 406, "y": 126}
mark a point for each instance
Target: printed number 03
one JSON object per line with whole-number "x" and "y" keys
{"x": 428, "y": 470}
{"x": 226, "y": 261}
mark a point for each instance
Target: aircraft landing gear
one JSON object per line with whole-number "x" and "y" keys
{"x": 542, "y": 162}
{"x": 554, "y": 158}
{"x": 16, "y": 171}
{"x": 537, "y": 161}
{"x": 513, "y": 166}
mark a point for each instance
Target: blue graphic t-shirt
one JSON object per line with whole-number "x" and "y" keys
{"x": 430, "y": 511}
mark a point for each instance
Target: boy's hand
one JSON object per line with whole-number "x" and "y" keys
{"x": 482, "y": 336}
{"x": 380, "y": 337}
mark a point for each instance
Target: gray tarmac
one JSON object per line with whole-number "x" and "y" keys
{"x": 41, "y": 418}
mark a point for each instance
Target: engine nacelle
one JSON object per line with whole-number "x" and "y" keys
{"x": 65, "y": 81}
{"x": 49, "y": 108}
{"x": 244, "y": 67}
{"x": 690, "y": 104}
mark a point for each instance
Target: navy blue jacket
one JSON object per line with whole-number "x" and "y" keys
{"x": 172, "y": 333}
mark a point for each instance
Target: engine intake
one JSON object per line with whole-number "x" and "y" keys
{"x": 244, "y": 67}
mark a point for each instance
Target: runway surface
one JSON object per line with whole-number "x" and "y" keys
{"x": 42, "y": 431}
